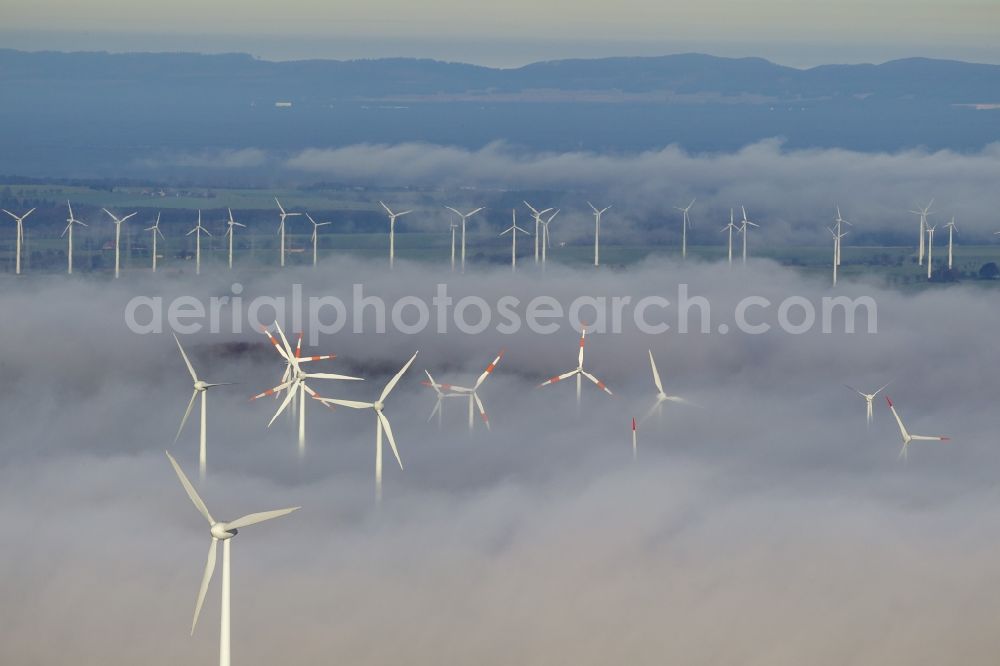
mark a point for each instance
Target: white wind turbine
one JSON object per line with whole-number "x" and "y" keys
{"x": 837, "y": 236}
{"x": 661, "y": 396}
{"x": 465, "y": 217}
{"x": 840, "y": 221}
{"x": 684, "y": 229}
{"x": 381, "y": 422}
{"x": 907, "y": 437}
{"x": 224, "y": 532}
{"x": 730, "y": 227}
{"x": 68, "y": 232}
{"x": 197, "y": 231}
{"x": 20, "y": 237}
{"x": 442, "y": 391}
{"x": 923, "y": 213}
{"x": 597, "y": 232}
{"x": 930, "y": 249}
{"x": 200, "y": 387}
{"x": 315, "y": 235}
{"x": 537, "y": 214}
{"x": 578, "y": 372}
{"x": 744, "y": 229}
{"x": 118, "y": 235}
{"x": 231, "y": 225}
{"x": 951, "y": 231}
{"x": 155, "y": 230}
{"x": 294, "y": 381}
{"x": 392, "y": 234}
{"x": 281, "y": 227}
{"x": 869, "y": 398}
{"x": 512, "y": 230}
{"x": 470, "y": 393}
{"x": 546, "y": 241}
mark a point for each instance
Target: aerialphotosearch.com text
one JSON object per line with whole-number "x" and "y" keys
{"x": 441, "y": 313}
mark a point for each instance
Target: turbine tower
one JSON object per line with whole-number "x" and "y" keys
{"x": 197, "y": 231}
{"x": 930, "y": 249}
{"x": 224, "y": 532}
{"x": 155, "y": 230}
{"x": 951, "y": 231}
{"x": 231, "y": 225}
{"x": 68, "y": 232}
{"x": 578, "y": 372}
{"x": 392, "y": 234}
{"x": 200, "y": 387}
{"x": 923, "y": 213}
{"x": 19, "y": 220}
{"x": 837, "y": 236}
{"x": 744, "y": 229}
{"x": 465, "y": 217}
{"x": 512, "y": 230}
{"x": 315, "y": 235}
{"x": 730, "y": 227}
{"x": 281, "y": 227}
{"x": 684, "y": 228}
{"x": 118, "y": 235}
{"x": 452, "y": 226}
{"x": 537, "y": 214}
{"x": 597, "y": 232}
{"x": 381, "y": 422}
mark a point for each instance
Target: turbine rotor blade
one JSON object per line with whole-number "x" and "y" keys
{"x": 192, "y": 493}
{"x": 187, "y": 362}
{"x": 395, "y": 380}
{"x": 254, "y": 518}
{"x": 205, "y": 580}
{"x": 388, "y": 432}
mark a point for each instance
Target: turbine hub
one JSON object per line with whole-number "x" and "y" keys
{"x": 378, "y": 406}
{"x": 220, "y": 532}
{"x": 200, "y": 385}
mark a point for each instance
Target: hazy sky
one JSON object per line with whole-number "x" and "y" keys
{"x": 518, "y": 31}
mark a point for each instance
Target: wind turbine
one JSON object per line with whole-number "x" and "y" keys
{"x": 661, "y": 396}
{"x": 197, "y": 243}
{"x": 578, "y": 372}
{"x": 512, "y": 230}
{"x": 392, "y": 234}
{"x": 546, "y": 241}
{"x": 907, "y": 437}
{"x": 869, "y": 397}
{"x": 155, "y": 229}
{"x": 452, "y": 390}
{"x": 294, "y": 381}
{"x": 930, "y": 249}
{"x": 840, "y": 221}
{"x": 837, "y": 236}
{"x": 951, "y": 230}
{"x": 731, "y": 226}
{"x": 224, "y": 532}
{"x": 200, "y": 387}
{"x": 381, "y": 422}
{"x": 464, "y": 217}
{"x": 597, "y": 232}
{"x": 20, "y": 236}
{"x": 281, "y": 228}
{"x": 118, "y": 235}
{"x": 442, "y": 392}
{"x": 744, "y": 228}
{"x": 68, "y": 232}
{"x": 537, "y": 214}
{"x": 231, "y": 225}
{"x": 684, "y": 229}
{"x": 923, "y": 213}
{"x": 315, "y": 234}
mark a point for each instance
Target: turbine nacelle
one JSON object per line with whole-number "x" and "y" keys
{"x": 221, "y": 531}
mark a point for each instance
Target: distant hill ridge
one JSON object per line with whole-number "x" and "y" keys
{"x": 690, "y": 73}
